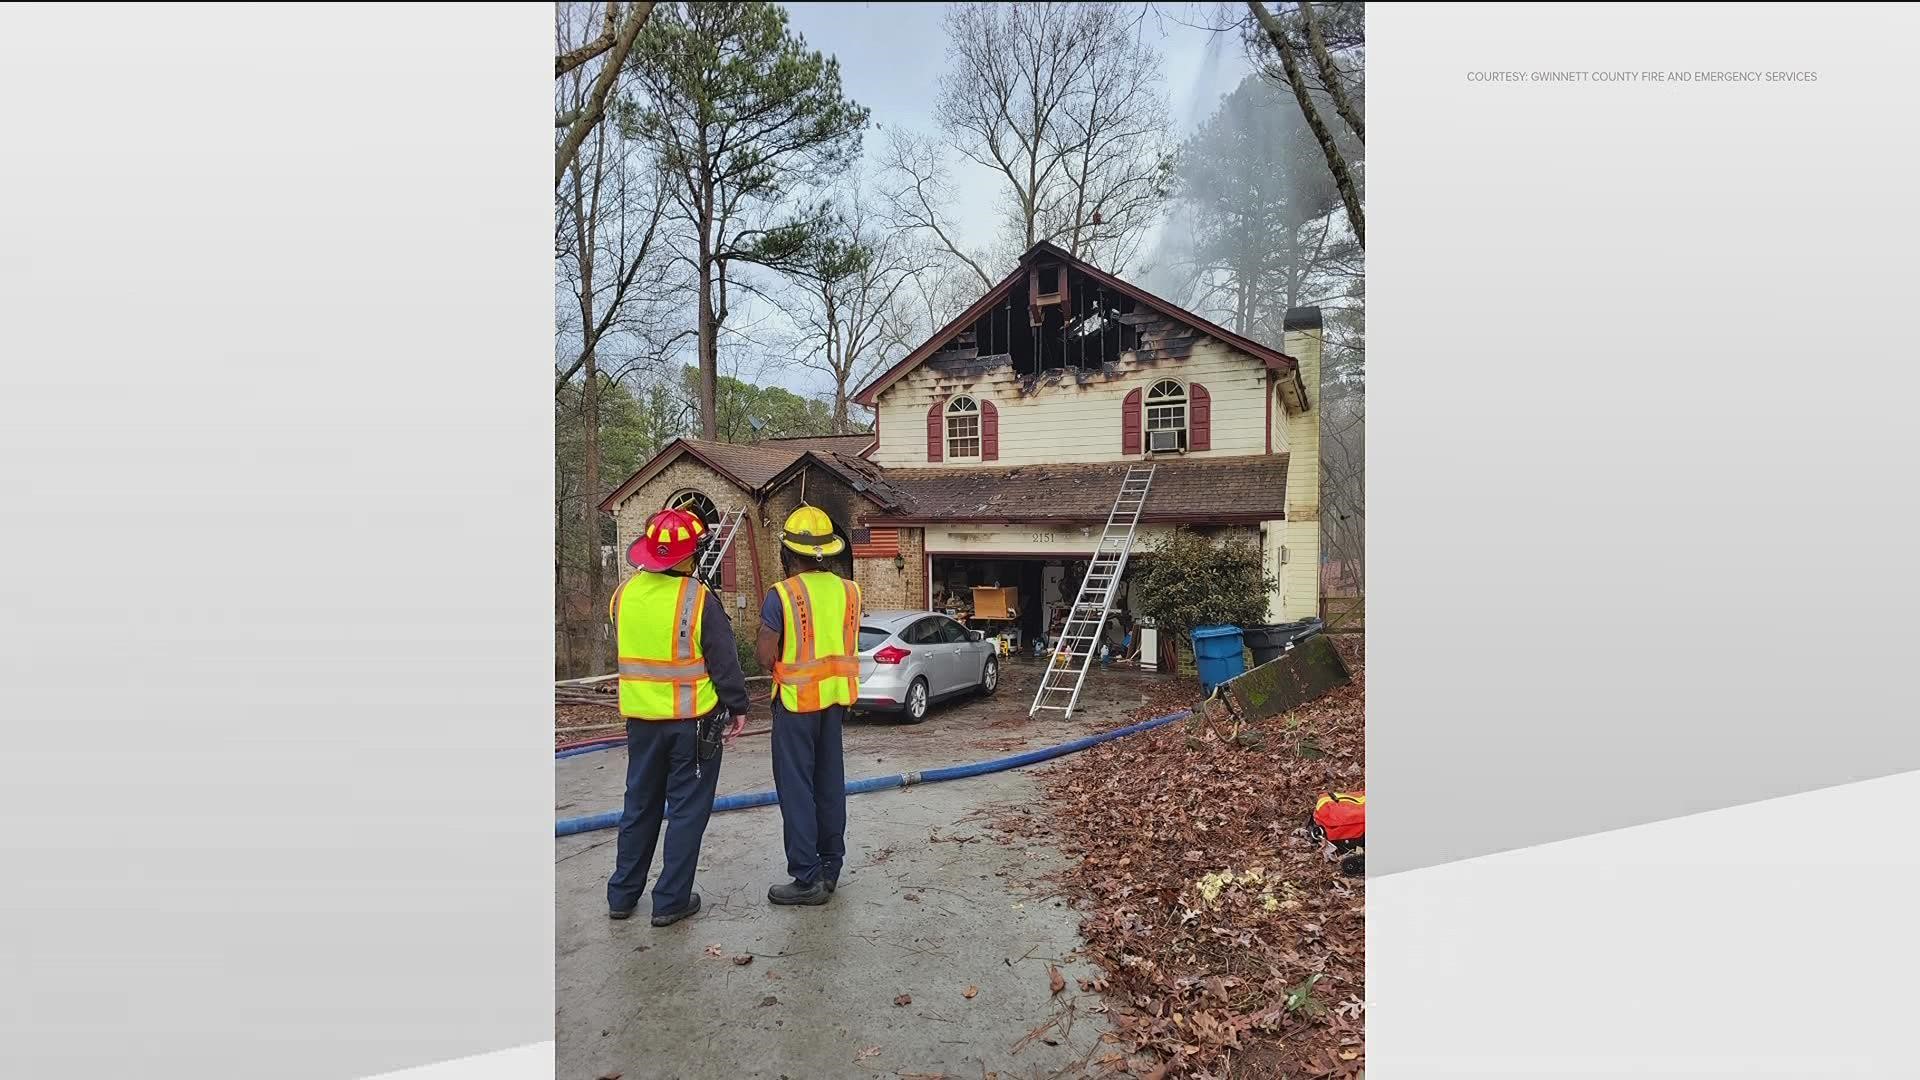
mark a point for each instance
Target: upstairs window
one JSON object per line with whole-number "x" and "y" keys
{"x": 963, "y": 429}
{"x": 1166, "y": 416}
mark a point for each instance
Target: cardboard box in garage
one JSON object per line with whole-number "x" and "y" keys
{"x": 992, "y": 603}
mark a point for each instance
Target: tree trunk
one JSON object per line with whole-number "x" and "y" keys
{"x": 590, "y": 476}
{"x": 1328, "y": 73}
{"x": 1336, "y": 162}
{"x": 596, "y": 106}
{"x": 709, "y": 356}
{"x": 590, "y": 417}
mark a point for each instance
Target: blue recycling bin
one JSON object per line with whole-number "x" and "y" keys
{"x": 1219, "y": 652}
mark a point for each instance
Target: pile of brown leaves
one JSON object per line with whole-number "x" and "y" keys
{"x": 1232, "y": 945}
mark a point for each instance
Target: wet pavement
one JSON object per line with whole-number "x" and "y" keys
{"x": 933, "y": 901}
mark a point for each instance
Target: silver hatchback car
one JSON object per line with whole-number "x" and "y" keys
{"x": 910, "y": 659}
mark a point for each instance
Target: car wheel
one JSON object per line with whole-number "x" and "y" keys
{"x": 990, "y": 676}
{"x": 915, "y": 709}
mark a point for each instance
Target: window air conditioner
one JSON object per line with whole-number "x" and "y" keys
{"x": 1162, "y": 441}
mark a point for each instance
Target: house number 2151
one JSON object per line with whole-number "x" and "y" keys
{"x": 1040, "y": 537}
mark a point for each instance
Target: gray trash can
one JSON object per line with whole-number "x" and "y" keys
{"x": 1269, "y": 642}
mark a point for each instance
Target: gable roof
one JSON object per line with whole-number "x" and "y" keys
{"x": 870, "y": 481}
{"x": 746, "y": 466}
{"x": 1272, "y": 358}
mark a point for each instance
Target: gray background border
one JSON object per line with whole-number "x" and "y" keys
{"x": 274, "y": 295}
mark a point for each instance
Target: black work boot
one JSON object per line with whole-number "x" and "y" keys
{"x": 810, "y": 893}
{"x": 672, "y": 917}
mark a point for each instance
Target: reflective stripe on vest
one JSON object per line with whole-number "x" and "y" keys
{"x": 819, "y": 661}
{"x": 663, "y": 675}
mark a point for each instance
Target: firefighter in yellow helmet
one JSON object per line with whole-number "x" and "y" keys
{"x": 810, "y": 640}
{"x": 679, "y": 682}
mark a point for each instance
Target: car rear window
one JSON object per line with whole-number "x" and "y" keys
{"x": 872, "y": 636}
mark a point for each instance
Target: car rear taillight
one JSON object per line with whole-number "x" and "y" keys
{"x": 892, "y": 654}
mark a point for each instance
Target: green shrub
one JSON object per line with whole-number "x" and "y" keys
{"x": 749, "y": 664}
{"x": 1191, "y": 580}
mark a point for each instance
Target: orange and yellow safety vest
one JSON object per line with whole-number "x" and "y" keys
{"x": 663, "y": 675}
{"x": 819, "y": 661}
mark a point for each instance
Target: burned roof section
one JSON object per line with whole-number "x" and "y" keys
{"x": 1056, "y": 318}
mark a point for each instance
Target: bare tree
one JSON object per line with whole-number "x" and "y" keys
{"x": 1062, "y": 101}
{"x": 612, "y": 280}
{"x": 850, "y": 298}
{"x": 1343, "y": 445}
{"x": 918, "y": 193}
{"x": 1114, "y": 145}
{"x": 615, "y": 42}
{"x": 1330, "y": 75}
{"x": 1278, "y": 36}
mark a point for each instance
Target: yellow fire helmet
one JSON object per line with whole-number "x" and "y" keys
{"x": 810, "y": 532}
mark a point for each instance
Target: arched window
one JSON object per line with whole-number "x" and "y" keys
{"x": 1166, "y": 412}
{"x": 695, "y": 503}
{"x": 963, "y": 429}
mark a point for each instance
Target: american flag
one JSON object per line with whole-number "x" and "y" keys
{"x": 876, "y": 543}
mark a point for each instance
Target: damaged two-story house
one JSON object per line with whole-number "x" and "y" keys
{"x": 1000, "y": 444}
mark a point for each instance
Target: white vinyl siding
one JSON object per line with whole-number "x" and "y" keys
{"x": 1077, "y": 422}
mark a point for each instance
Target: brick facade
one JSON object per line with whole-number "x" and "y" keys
{"x": 883, "y": 585}
{"x": 630, "y": 520}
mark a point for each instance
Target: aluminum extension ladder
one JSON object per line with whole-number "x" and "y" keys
{"x": 716, "y": 547}
{"x": 1072, "y": 655}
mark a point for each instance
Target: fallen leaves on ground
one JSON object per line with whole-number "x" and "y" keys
{"x": 969, "y": 992}
{"x": 1230, "y": 944}
{"x": 903, "y": 999}
{"x": 1056, "y": 980}
{"x": 867, "y": 1052}
{"x": 714, "y": 950}
{"x": 743, "y": 959}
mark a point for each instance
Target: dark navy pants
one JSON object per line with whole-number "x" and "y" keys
{"x": 810, "y": 777}
{"x": 660, "y": 772}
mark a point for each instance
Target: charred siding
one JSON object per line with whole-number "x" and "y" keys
{"x": 1083, "y": 331}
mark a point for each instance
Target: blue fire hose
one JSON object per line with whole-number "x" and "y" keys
{"x": 611, "y": 819}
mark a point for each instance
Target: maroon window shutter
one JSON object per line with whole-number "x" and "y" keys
{"x": 936, "y": 428}
{"x": 729, "y": 574}
{"x": 1199, "y": 417}
{"x": 989, "y": 432}
{"x": 1130, "y": 422}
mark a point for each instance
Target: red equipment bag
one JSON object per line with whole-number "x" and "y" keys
{"x": 1340, "y": 817}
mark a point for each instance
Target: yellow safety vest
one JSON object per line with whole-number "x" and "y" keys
{"x": 820, "y": 642}
{"x": 663, "y": 675}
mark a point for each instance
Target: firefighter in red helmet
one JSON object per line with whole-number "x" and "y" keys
{"x": 680, "y": 680}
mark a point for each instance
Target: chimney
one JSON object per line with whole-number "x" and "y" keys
{"x": 1301, "y": 333}
{"x": 1300, "y": 536}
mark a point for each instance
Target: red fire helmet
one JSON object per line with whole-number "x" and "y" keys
{"x": 671, "y": 537}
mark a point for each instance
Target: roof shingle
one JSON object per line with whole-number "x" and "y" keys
{"x": 1251, "y": 488}
{"x": 838, "y": 444}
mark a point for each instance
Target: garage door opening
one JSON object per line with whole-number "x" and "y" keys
{"x": 1043, "y": 589}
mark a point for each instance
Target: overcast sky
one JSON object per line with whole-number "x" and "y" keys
{"x": 892, "y": 55}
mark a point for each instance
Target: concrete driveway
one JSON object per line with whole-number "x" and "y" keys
{"x": 933, "y": 902}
